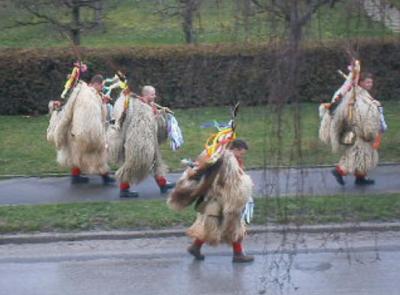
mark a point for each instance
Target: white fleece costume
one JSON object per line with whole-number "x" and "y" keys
{"x": 134, "y": 146}
{"x": 78, "y": 131}
{"x": 352, "y": 128}
{"x": 221, "y": 192}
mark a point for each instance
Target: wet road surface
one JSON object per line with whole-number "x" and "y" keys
{"x": 359, "y": 263}
{"x": 271, "y": 182}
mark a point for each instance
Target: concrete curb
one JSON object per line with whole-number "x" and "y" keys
{"x": 125, "y": 235}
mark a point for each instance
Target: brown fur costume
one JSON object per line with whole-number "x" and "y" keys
{"x": 221, "y": 192}
{"x": 352, "y": 130}
{"x": 135, "y": 144}
{"x": 78, "y": 131}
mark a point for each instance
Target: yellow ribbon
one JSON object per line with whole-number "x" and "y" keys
{"x": 217, "y": 142}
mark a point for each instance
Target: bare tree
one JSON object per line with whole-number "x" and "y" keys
{"x": 99, "y": 14}
{"x": 295, "y": 15}
{"x": 189, "y": 8}
{"x": 53, "y": 12}
{"x": 187, "y": 11}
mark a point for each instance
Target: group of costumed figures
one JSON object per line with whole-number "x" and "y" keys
{"x": 89, "y": 132}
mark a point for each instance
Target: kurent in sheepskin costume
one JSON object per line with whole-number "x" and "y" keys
{"x": 353, "y": 124}
{"x": 78, "y": 132}
{"x": 220, "y": 190}
{"x": 134, "y": 142}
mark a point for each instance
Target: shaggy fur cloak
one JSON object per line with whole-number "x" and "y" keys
{"x": 78, "y": 131}
{"x": 352, "y": 129}
{"x": 221, "y": 194}
{"x": 135, "y": 145}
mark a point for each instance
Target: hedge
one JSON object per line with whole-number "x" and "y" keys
{"x": 191, "y": 76}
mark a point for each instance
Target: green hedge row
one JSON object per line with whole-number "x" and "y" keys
{"x": 191, "y": 76}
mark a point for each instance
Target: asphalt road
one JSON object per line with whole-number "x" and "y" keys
{"x": 362, "y": 263}
{"x": 270, "y": 182}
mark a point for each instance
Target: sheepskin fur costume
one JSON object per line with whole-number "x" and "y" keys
{"x": 135, "y": 145}
{"x": 221, "y": 195}
{"x": 352, "y": 129}
{"x": 78, "y": 131}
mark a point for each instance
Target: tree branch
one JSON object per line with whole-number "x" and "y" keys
{"x": 312, "y": 8}
{"x": 273, "y": 7}
{"x": 21, "y": 24}
{"x": 45, "y": 18}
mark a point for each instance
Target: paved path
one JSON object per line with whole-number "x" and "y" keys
{"x": 270, "y": 182}
{"x": 364, "y": 263}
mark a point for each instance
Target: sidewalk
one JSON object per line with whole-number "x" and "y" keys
{"x": 270, "y": 182}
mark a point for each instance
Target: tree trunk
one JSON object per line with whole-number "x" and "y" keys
{"x": 189, "y": 10}
{"x": 295, "y": 38}
{"x": 76, "y": 23}
{"x": 98, "y": 14}
{"x": 247, "y": 14}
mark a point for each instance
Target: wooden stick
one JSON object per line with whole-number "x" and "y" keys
{"x": 342, "y": 74}
{"x": 155, "y": 104}
{"x": 163, "y": 108}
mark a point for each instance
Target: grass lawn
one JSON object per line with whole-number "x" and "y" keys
{"x": 154, "y": 214}
{"x": 140, "y": 23}
{"x": 276, "y": 144}
{"x": 24, "y": 150}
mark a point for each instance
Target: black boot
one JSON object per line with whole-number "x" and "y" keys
{"x": 195, "y": 251}
{"x": 77, "y": 179}
{"x": 169, "y": 185}
{"x": 107, "y": 179}
{"x": 338, "y": 177}
{"x": 364, "y": 181}
{"x": 242, "y": 258}
{"x": 128, "y": 194}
